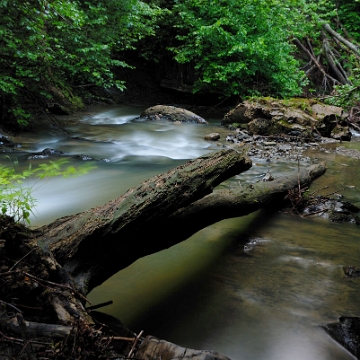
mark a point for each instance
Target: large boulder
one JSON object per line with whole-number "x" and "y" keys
{"x": 172, "y": 113}
{"x": 268, "y": 116}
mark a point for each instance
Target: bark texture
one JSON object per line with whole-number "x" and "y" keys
{"x": 95, "y": 244}
{"x": 44, "y": 274}
{"x": 225, "y": 204}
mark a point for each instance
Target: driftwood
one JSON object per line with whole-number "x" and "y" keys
{"x": 54, "y": 267}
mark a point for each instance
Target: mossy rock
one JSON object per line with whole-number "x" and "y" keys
{"x": 268, "y": 116}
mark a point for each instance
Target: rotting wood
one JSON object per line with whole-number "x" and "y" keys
{"x": 95, "y": 244}
{"x": 176, "y": 194}
{"x": 239, "y": 201}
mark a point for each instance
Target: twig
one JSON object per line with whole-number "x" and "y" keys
{"x": 67, "y": 287}
{"x": 134, "y": 344}
{"x": 25, "y": 336}
{"x": 98, "y": 306}
{"x": 14, "y": 266}
{"x": 333, "y": 193}
{"x": 316, "y": 212}
{"x": 12, "y": 306}
{"x": 119, "y": 338}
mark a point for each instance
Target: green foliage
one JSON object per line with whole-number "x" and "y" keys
{"x": 50, "y": 51}
{"x": 348, "y": 95}
{"x": 348, "y": 12}
{"x": 239, "y": 47}
{"x": 47, "y": 48}
{"x": 16, "y": 200}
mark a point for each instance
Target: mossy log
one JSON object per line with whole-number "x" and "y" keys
{"x": 95, "y": 244}
{"x": 45, "y": 274}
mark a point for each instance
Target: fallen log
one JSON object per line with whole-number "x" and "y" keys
{"x": 54, "y": 267}
{"x": 95, "y": 244}
{"x": 240, "y": 201}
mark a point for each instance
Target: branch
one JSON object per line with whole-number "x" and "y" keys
{"x": 315, "y": 61}
{"x": 236, "y": 202}
{"x": 334, "y": 64}
{"x": 347, "y": 43}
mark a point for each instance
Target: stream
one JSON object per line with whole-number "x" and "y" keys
{"x": 257, "y": 287}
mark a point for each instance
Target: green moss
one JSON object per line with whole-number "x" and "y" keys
{"x": 76, "y": 103}
{"x": 299, "y": 103}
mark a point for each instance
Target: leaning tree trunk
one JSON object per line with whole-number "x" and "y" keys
{"x": 46, "y": 274}
{"x": 95, "y": 244}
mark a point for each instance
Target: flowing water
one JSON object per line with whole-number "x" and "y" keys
{"x": 256, "y": 287}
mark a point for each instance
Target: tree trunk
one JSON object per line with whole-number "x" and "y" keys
{"x": 44, "y": 274}
{"x": 95, "y": 244}
{"x": 239, "y": 201}
{"x": 331, "y": 59}
{"x": 347, "y": 43}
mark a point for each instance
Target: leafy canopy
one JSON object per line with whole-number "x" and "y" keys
{"x": 47, "y": 48}
{"x": 239, "y": 46}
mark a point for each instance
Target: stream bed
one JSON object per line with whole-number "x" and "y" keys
{"x": 257, "y": 287}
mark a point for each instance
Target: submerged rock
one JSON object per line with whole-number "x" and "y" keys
{"x": 347, "y": 333}
{"x": 171, "y": 113}
{"x": 351, "y": 271}
{"x": 353, "y": 153}
{"x": 46, "y": 153}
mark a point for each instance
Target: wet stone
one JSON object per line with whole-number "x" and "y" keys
{"x": 212, "y": 137}
{"x": 351, "y": 271}
{"x": 347, "y": 333}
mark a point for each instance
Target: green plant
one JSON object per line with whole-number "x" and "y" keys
{"x": 347, "y": 96}
{"x": 240, "y": 47}
{"x": 16, "y": 200}
{"x": 51, "y": 48}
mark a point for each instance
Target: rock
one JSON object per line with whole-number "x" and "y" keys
{"x": 46, "y": 153}
{"x": 154, "y": 348}
{"x": 172, "y": 113}
{"x": 212, "y": 137}
{"x": 4, "y": 141}
{"x": 353, "y": 153}
{"x": 268, "y": 177}
{"x": 351, "y": 271}
{"x": 347, "y": 333}
{"x": 341, "y": 133}
{"x": 242, "y": 135}
{"x": 269, "y": 143}
{"x": 84, "y": 157}
{"x": 295, "y": 117}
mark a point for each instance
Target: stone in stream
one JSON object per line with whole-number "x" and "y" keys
{"x": 212, "y": 137}
{"x": 294, "y": 117}
{"x": 171, "y": 113}
{"x": 351, "y": 271}
{"x": 347, "y": 333}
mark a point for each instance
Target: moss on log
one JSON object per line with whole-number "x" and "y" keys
{"x": 95, "y": 244}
